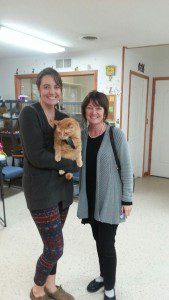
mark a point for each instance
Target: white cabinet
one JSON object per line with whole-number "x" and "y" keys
{"x": 73, "y": 95}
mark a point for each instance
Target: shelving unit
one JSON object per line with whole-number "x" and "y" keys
{"x": 76, "y": 85}
{"x": 9, "y": 129}
{"x": 72, "y": 108}
{"x": 73, "y": 92}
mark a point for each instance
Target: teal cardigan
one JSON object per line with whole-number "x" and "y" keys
{"x": 110, "y": 189}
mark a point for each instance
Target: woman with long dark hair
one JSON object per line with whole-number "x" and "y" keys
{"x": 48, "y": 195}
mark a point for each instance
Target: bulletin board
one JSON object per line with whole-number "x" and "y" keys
{"x": 112, "y": 108}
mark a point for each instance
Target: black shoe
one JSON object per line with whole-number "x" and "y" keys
{"x": 94, "y": 286}
{"x": 107, "y": 298}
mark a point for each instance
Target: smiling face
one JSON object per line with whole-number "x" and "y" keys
{"x": 94, "y": 113}
{"x": 50, "y": 92}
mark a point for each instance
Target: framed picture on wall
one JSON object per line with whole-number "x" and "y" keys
{"x": 110, "y": 70}
{"x": 112, "y": 108}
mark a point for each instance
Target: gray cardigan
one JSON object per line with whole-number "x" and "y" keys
{"x": 110, "y": 189}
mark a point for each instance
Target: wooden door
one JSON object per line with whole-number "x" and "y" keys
{"x": 137, "y": 115}
{"x": 160, "y": 134}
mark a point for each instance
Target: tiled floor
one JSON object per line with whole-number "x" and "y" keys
{"x": 142, "y": 245}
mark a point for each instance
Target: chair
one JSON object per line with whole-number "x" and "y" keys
{"x": 17, "y": 157}
{"x": 7, "y": 173}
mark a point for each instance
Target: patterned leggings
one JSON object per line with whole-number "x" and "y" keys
{"x": 49, "y": 223}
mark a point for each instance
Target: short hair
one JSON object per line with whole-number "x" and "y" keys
{"x": 99, "y": 99}
{"x": 49, "y": 71}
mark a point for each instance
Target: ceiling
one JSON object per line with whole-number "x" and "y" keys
{"x": 117, "y": 23}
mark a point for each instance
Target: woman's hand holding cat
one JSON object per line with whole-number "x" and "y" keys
{"x": 58, "y": 156}
{"x": 67, "y": 165}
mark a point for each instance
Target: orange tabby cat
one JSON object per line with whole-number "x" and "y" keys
{"x": 67, "y": 142}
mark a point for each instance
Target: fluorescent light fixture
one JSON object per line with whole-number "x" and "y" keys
{"x": 24, "y": 40}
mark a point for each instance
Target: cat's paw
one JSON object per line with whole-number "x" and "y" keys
{"x": 61, "y": 172}
{"x": 57, "y": 157}
{"x": 69, "y": 176}
{"x": 79, "y": 163}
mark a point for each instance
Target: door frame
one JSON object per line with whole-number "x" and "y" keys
{"x": 122, "y": 84}
{"x": 128, "y": 119}
{"x": 17, "y": 78}
{"x": 155, "y": 79}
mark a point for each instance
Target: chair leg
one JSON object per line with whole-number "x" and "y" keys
{"x": 4, "y": 214}
{"x": 9, "y": 183}
{"x": 3, "y": 204}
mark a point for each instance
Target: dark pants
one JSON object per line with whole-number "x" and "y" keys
{"x": 49, "y": 223}
{"x": 104, "y": 235}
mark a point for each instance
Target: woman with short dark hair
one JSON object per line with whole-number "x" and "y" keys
{"x": 105, "y": 198}
{"x": 99, "y": 99}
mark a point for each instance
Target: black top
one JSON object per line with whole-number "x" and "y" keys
{"x": 93, "y": 145}
{"x": 43, "y": 186}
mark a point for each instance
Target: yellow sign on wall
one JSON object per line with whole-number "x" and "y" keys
{"x": 110, "y": 70}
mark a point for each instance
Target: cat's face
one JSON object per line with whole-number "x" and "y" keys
{"x": 66, "y": 128}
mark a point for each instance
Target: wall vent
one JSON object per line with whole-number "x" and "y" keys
{"x": 67, "y": 63}
{"x": 63, "y": 63}
{"x": 59, "y": 63}
{"x": 89, "y": 37}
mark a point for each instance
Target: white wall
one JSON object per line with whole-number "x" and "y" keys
{"x": 160, "y": 57}
{"x": 156, "y": 60}
{"x": 97, "y": 60}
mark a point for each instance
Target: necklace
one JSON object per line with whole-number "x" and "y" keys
{"x": 102, "y": 129}
{"x": 50, "y": 117}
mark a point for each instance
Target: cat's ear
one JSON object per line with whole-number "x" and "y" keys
{"x": 56, "y": 122}
{"x": 70, "y": 125}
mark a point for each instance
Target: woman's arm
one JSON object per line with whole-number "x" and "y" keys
{"x": 32, "y": 142}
